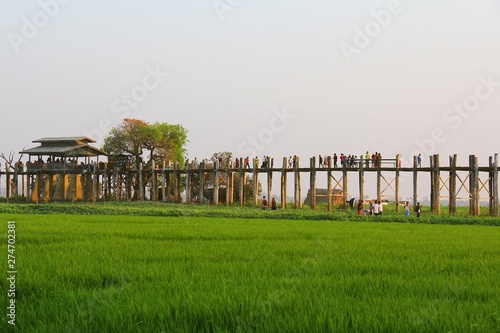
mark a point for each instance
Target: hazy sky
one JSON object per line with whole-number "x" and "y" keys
{"x": 257, "y": 77}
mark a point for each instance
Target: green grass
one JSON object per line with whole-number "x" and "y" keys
{"x": 221, "y": 211}
{"x": 189, "y": 274}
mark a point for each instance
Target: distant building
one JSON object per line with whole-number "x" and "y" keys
{"x": 322, "y": 196}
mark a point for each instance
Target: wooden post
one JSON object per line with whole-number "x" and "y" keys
{"x": 433, "y": 184}
{"x": 471, "y": 186}
{"x": 129, "y": 190}
{"x": 201, "y": 195}
{"x": 296, "y": 178}
{"x": 476, "y": 189}
{"x": 437, "y": 179}
{"x": 154, "y": 197}
{"x": 361, "y": 178}
{"x": 188, "y": 184}
{"x": 82, "y": 185}
{"x": 229, "y": 187}
{"x": 231, "y": 193}
{"x": 379, "y": 179}
{"x": 344, "y": 185}
{"x": 94, "y": 183}
{"x": 477, "y": 194}
{"x": 269, "y": 179}
{"x": 164, "y": 178}
{"x": 397, "y": 190}
{"x": 7, "y": 182}
{"x": 312, "y": 183}
{"x": 243, "y": 182}
{"x": 490, "y": 185}
{"x": 415, "y": 181}
{"x": 141, "y": 182}
{"x": 177, "y": 181}
{"x": 106, "y": 185}
{"x": 452, "y": 206}
{"x": 23, "y": 186}
{"x": 51, "y": 186}
{"x": 216, "y": 184}
{"x": 295, "y": 184}
{"x": 15, "y": 182}
{"x": 329, "y": 183}
{"x": 228, "y": 182}
{"x": 29, "y": 183}
{"x": 299, "y": 183}
{"x": 283, "y": 183}
{"x": 255, "y": 183}
{"x": 115, "y": 183}
{"x": 494, "y": 188}
{"x": 42, "y": 185}
{"x": 66, "y": 181}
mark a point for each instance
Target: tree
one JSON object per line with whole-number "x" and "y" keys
{"x": 127, "y": 138}
{"x": 163, "y": 141}
{"x": 221, "y": 159}
{"x": 9, "y": 161}
{"x": 166, "y": 142}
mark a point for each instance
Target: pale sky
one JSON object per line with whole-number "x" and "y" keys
{"x": 272, "y": 78}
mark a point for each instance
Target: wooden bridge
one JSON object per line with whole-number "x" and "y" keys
{"x": 92, "y": 181}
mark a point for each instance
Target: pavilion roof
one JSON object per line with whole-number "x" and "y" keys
{"x": 73, "y": 146}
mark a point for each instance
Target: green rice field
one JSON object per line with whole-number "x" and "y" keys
{"x": 103, "y": 273}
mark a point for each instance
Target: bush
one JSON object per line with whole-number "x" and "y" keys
{"x": 168, "y": 209}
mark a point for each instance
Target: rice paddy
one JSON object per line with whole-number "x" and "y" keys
{"x": 91, "y": 273}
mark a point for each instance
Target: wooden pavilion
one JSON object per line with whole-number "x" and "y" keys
{"x": 60, "y": 166}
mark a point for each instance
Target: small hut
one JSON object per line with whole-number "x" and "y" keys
{"x": 322, "y": 196}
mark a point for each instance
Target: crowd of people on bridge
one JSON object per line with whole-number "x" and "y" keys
{"x": 369, "y": 160}
{"x": 350, "y": 161}
{"x": 57, "y": 164}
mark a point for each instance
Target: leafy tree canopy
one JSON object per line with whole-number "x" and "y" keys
{"x": 163, "y": 141}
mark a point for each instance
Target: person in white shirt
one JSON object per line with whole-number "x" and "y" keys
{"x": 376, "y": 208}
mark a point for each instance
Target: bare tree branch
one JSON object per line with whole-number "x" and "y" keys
{"x": 9, "y": 160}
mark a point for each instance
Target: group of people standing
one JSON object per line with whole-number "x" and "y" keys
{"x": 274, "y": 204}
{"x": 418, "y": 209}
{"x": 376, "y": 208}
{"x": 351, "y": 160}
